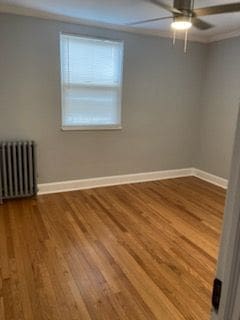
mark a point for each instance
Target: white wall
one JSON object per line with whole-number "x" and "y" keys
{"x": 179, "y": 110}
{"x": 219, "y": 108}
{"x": 161, "y": 94}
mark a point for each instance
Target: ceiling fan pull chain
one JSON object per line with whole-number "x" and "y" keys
{"x": 174, "y": 37}
{"x": 192, "y": 5}
{"x": 185, "y": 41}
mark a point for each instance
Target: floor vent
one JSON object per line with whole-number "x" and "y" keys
{"x": 18, "y": 176}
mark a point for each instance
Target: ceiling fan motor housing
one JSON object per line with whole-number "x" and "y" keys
{"x": 183, "y": 5}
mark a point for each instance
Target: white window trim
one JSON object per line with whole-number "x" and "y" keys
{"x": 91, "y": 127}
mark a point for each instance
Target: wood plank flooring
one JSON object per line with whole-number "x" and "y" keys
{"x": 138, "y": 251}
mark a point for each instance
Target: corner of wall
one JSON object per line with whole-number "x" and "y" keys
{"x": 197, "y": 152}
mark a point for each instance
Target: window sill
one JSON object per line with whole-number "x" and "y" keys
{"x": 91, "y": 128}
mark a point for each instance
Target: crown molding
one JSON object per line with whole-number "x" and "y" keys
{"x": 24, "y": 11}
{"x": 225, "y": 36}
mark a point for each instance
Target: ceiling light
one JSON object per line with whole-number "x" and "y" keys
{"x": 181, "y": 25}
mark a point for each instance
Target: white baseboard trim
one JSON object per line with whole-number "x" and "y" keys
{"x": 64, "y": 186}
{"x": 218, "y": 181}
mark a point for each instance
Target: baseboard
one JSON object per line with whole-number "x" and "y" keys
{"x": 54, "y": 187}
{"x": 218, "y": 181}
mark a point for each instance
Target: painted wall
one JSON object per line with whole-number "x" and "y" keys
{"x": 161, "y": 94}
{"x": 219, "y": 108}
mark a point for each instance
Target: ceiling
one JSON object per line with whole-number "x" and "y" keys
{"x": 117, "y": 13}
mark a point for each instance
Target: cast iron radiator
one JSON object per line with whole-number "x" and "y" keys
{"x": 18, "y": 177}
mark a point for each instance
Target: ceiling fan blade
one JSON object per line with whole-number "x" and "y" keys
{"x": 148, "y": 20}
{"x": 200, "y": 24}
{"x": 165, "y": 6}
{"x": 225, "y": 8}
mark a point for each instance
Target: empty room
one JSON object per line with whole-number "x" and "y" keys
{"x": 119, "y": 160}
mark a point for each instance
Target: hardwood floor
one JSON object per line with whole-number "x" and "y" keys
{"x": 138, "y": 251}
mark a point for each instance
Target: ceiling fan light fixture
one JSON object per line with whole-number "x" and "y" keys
{"x": 181, "y": 25}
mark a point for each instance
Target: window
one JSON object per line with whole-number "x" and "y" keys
{"x": 91, "y": 83}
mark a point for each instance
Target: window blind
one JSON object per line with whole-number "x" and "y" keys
{"x": 91, "y": 82}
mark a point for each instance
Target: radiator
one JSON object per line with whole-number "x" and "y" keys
{"x": 18, "y": 177}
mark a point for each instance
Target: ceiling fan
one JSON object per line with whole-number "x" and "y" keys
{"x": 185, "y": 16}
